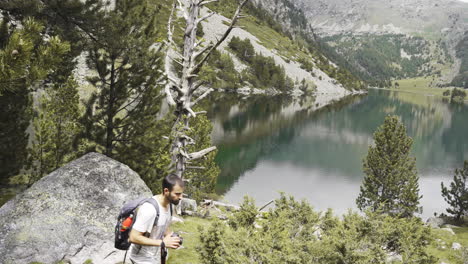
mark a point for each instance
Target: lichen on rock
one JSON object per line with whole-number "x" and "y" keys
{"x": 70, "y": 214}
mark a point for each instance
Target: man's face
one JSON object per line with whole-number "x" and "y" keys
{"x": 175, "y": 195}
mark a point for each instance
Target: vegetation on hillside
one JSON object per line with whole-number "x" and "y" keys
{"x": 381, "y": 58}
{"x": 291, "y": 46}
{"x": 461, "y": 80}
{"x": 263, "y": 71}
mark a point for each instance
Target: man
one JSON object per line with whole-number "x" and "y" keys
{"x": 148, "y": 238}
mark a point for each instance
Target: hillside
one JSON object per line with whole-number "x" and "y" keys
{"x": 432, "y": 28}
{"x": 309, "y": 69}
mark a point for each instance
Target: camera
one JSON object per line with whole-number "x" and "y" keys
{"x": 177, "y": 235}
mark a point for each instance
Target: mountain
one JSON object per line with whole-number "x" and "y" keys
{"x": 386, "y": 39}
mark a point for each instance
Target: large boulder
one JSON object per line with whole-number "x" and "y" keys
{"x": 69, "y": 214}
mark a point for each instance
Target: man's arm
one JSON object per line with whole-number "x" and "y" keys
{"x": 139, "y": 238}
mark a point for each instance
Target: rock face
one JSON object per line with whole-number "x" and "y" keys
{"x": 69, "y": 214}
{"x": 435, "y": 222}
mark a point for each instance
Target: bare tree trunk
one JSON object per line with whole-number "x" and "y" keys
{"x": 110, "y": 113}
{"x": 179, "y": 92}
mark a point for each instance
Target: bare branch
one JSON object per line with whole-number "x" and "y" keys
{"x": 197, "y": 54}
{"x": 170, "y": 29}
{"x": 196, "y": 167}
{"x": 183, "y": 153}
{"x": 184, "y": 12}
{"x": 178, "y": 62}
{"x": 174, "y": 81}
{"x": 189, "y": 139}
{"x": 201, "y": 113}
{"x": 205, "y": 94}
{"x": 205, "y": 2}
{"x": 197, "y": 85}
{"x": 191, "y": 112}
{"x": 263, "y": 207}
{"x": 204, "y": 18}
{"x": 226, "y": 34}
{"x": 201, "y": 153}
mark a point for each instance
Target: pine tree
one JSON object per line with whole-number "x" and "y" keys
{"x": 391, "y": 180}
{"x": 205, "y": 171}
{"x": 26, "y": 58}
{"x": 457, "y": 195}
{"x": 56, "y": 126}
{"x": 127, "y": 62}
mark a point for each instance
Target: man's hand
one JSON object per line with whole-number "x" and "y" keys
{"x": 171, "y": 242}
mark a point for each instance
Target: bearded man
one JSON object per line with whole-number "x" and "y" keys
{"x": 150, "y": 238}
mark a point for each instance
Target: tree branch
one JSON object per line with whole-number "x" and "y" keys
{"x": 204, "y": 18}
{"x": 184, "y": 12}
{"x": 201, "y": 153}
{"x": 205, "y": 2}
{"x": 226, "y": 34}
{"x": 205, "y": 94}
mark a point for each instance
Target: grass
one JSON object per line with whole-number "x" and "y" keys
{"x": 442, "y": 247}
{"x": 273, "y": 40}
{"x": 419, "y": 85}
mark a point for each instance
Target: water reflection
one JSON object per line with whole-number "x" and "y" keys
{"x": 271, "y": 144}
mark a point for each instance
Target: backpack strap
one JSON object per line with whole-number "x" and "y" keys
{"x": 156, "y": 206}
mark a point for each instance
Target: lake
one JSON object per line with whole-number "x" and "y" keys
{"x": 278, "y": 144}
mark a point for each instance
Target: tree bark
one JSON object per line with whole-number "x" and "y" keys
{"x": 193, "y": 58}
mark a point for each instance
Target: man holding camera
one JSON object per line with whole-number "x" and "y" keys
{"x": 149, "y": 239}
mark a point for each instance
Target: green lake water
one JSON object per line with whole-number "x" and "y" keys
{"x": 278, "y": 144}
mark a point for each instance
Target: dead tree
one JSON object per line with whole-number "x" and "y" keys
{"x": 180, "y": 92}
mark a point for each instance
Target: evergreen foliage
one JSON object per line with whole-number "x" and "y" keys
{"x": 263, "y": 73}
{"x": 126, "y": 61}
{"x": 26, "y": 58}
{"x": 457, "y": 95}
{"x": 55, "y": 129}
{"x": 461, "y": 80}
{"x": 391, "y": 181}
{"x": 245, "y": 217}
{"x": 378, "y": 59}
{"x": 293, "y": 232}
{"x": 219, "y": 72}
{"x": 457, "y": 194}
{"x": 202, "y": 180}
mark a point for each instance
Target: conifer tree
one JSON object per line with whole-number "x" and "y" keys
{"x": 391, "y": 182}
{"x": 126, "y": 59}
{"x": 27, "y": 56}
{"x": 55, "y": 126}
{"x": 457, "y": 195}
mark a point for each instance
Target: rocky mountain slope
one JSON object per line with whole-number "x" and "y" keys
{"x": 440, "y": 23}
{"x": 432, "y": 17}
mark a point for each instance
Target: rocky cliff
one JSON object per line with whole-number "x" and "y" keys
{"x": 69, "y": 214}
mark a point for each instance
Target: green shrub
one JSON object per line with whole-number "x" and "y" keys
{"x": 293, "y": 232}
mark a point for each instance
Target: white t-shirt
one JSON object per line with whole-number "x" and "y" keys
{"x": 146, "y": 215}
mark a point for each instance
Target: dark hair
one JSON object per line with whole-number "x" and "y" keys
{"x": 170, "y": 181}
